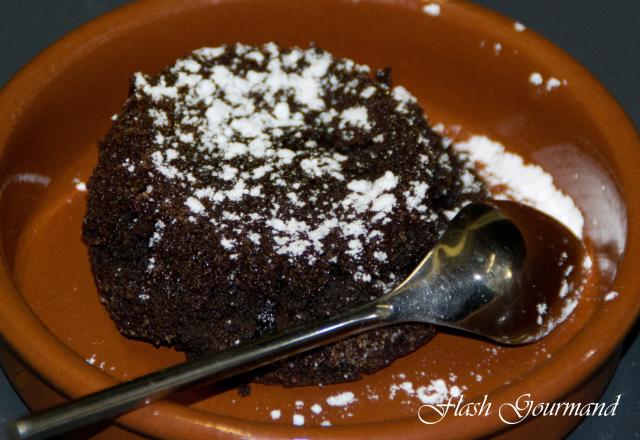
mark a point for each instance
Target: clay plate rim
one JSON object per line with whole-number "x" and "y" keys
{"x": 65, "y": 371}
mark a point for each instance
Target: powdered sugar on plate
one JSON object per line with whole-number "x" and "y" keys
{"x": 611, "y": 296}
{"x": 436, "y": 391}
{"x": 526, "y": 183}
{"x": 79, "y": 184}
{"x": 432, "y": 9}
{"x": 341, "y": 399}
{"x": 550, "y": 84}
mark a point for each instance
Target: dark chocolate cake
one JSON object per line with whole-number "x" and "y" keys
{"x": 245, "y": 190}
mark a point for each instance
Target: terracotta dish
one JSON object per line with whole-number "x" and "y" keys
{"x": 59, "y": 342}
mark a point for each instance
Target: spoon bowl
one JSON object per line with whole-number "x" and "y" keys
{"x": 501, "y": 270}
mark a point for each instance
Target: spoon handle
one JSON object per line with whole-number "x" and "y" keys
{"x": 140, "y": 392}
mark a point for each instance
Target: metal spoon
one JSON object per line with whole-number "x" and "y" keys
{"x": 497, "y": 272}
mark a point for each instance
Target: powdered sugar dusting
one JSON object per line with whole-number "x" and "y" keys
{"x": 341, "y": 399}
{"x": 526, "y": 183}
{"x": 611, "y": 296}
{"x": 79, "y": 184}
{"x": 34, "y": 178}
{"x": 432, "y": 9}
{"x": 298, "y": 419}
{"x": 550, "y": 84}
{"x": 519, "y": 27}
{"x": 536, "y": 79}
{"x": 436, "y": 392}
{"x": 225, "y": 152}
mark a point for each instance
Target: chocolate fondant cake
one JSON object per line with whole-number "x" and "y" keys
{"x": 245, "y": 190}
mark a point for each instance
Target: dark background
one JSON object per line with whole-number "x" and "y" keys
{"x": 604, "y": 35}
